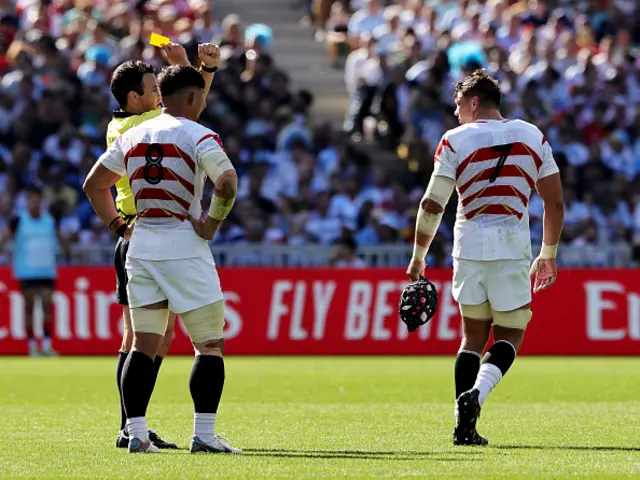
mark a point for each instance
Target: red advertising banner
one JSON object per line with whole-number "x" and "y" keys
{"x": 329, "y": 311}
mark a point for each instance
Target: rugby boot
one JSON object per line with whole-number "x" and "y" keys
{"x": 122, "y": 440}
{"x": 160, "y": 443}
{"x": 138, "y": 446}
{"x": 219, "y": 445}
{"x": 468, "y": 411}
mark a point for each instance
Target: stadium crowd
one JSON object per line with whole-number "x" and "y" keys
{"x": 572, "y": 69}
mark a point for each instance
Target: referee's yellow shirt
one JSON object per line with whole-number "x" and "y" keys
{"x": 121, "y": 122}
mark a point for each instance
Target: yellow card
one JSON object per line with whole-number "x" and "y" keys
{"x": 158, "y": 40}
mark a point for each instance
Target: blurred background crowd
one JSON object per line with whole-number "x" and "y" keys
{"x": 570, "y": 67}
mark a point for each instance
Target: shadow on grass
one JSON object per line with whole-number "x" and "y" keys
{"x": 568, "y": 447}
{"x": 361, "y": 455}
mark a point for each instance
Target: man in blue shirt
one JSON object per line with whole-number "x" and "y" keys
{"x": 36, "y": 239}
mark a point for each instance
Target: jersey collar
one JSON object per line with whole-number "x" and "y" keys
{"x": 122, "y": 114}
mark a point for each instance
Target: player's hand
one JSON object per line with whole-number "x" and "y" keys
{"x": 416, "y": 269}
{"x": 203, "y": 226}
{"x": 128, "y": 232}
{"x": 544, "y": 272}
{"x": 209, "y": 54}
{"x": 176, "y": 54}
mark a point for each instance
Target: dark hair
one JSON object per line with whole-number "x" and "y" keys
{"x": 128, "y": 78}
{"x": 175, "y": 79}
{"x": 483, "y": 85}
{"x": 347, "y": 241}
{"x": 33, "y": 189}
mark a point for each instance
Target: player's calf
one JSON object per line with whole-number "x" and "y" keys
{"x": 149, "y": 324}
{"x": 206, "y": 383}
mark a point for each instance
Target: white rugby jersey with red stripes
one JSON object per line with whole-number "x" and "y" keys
{"x": 164, "y": 160}
{"x": 496, "y": 165}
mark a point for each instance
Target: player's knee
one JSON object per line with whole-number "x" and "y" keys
{"x": 205, "y": 327}
{"x": 214, "y": 347}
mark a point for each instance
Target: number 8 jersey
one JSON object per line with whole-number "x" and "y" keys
{"x": 496, "y": 165}
{"x": 166, "y": 160}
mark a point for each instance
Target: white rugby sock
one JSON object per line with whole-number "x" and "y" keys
{"x": 204, "y": 426}
{"x": 46, "y": 344}
{"x": 137, "y": 427}
{"x": 487, "y": 379}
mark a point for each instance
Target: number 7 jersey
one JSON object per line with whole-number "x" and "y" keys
{"x": 166, "y": 160}
{"x": 496, "y": 165}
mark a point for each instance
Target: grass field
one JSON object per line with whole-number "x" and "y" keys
{"x": 330, "y": 417}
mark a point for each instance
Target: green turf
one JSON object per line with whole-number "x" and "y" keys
{"x": 332, "y": 417}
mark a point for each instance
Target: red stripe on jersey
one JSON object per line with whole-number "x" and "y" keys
{"x": 214, "y": 136}
{"x": 160, "y": 194}
{"x": 493, "y": 209}
{"x": 544, "y": 140}
{"x": 160, "y": 213}
{"x": 488, "y": 153}
{"x": 168, "y": 175}
{"x": 496, "y": 191}
{"x": 507, "y": 171}
{"x": 169, "y": 150}
{"x": 443, "y": 143}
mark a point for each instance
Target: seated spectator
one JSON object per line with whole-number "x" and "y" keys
{"x": 345, "y": 254}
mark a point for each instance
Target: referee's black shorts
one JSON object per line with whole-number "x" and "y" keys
{"x": 119, "y": 259}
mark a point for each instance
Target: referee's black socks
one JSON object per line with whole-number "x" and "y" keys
{"x": 122, "y": 358}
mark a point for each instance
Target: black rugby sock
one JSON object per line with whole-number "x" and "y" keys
{"x": 502, "y": 354}
{"x": 157, "y": 363}
{"x": 466, "y": 370}
{"x": 122, "y": 357}
{"x": 206, "y": 383}
{"x": 137, "y": 384}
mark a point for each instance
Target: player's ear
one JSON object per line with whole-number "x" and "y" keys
{"x": 191, "y": 98}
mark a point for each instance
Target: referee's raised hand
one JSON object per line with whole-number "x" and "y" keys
{"x": 176, "y": 54}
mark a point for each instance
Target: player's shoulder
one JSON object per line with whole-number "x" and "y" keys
{"x": 199, "y": 133}
{"x": 456, "y": 135}
{"x": 529, "y": 129}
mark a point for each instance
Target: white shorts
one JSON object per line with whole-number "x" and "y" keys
{"x": 505, "y": 284}
{"x": 188, "y": 283}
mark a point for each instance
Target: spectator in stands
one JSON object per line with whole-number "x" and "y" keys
{"x": 345, "y": 254}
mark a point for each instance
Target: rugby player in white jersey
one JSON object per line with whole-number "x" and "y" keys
{"x": 494, "y": 164}
{"x": 135, "y": 88}
{"x": 169, "y": 263}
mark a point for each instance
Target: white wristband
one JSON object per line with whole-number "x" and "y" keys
{"x": 549, "y": 251}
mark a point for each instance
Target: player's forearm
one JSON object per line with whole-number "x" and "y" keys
{"x": 102, "y": 203}
{"x": 430, "y": 214}
{"x": 224, "y": 196}
{"x": 552, "y": 222}
{"x": 208, "y": 80}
